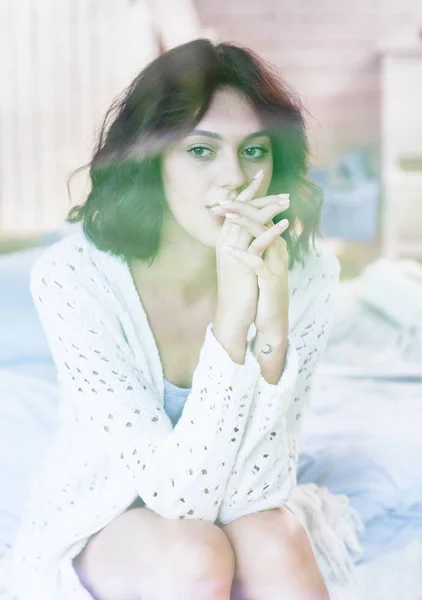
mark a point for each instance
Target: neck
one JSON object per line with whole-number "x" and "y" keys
{"x": 184, "y": 274}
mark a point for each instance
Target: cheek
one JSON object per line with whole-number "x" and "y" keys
{"x": 182, "y": 176}
{"x": 268, "y": 175}
{"x": 175, "y": 174}
{"x": 187, "y": 192}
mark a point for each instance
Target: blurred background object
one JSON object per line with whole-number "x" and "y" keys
{"x": 351, "y": 197}
{"x": 401, "y": 127}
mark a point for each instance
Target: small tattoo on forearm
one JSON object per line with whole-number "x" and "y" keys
{"x": 268, "y": 349}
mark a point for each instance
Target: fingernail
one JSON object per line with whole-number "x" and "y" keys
{"x": 260, "y": 172}
{"x": 230, "y": 215}
{"x": 283, "y": 224}
{"x": 225, "y": 201}
{"x": 284, "y": 199}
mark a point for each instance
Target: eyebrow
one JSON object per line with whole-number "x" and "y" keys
{"x": 219, "y": 137}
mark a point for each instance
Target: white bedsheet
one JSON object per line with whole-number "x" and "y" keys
{"x": 362, "y": 438}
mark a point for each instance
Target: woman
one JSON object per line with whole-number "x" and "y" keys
{"x": 185, "y": 367}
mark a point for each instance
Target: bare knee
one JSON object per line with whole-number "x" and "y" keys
{"x": 200, "y": 549}
{"x": 191, "y": 558}
{"x": 141, "y": 552}
{"x": 288, "y": 565}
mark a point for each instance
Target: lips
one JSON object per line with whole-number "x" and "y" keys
{"x": 218, "y": 218}
{"x": 226, "y": 199}
{"x": 216, "y": 204}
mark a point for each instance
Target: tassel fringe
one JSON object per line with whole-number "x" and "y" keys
{"x": 331, "y": 524}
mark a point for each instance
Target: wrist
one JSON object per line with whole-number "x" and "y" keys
{"x": 271, "y": 354}
{"x": 232, "y": 338}
{"x": 225, "y": 322}
{"x": 276, "y": 339}
{"x": 265, "y": 347}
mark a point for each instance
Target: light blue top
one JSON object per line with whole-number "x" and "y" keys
{"x": 174, "y": 400}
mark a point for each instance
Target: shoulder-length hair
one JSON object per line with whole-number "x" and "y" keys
{"x": 123, "y": 213}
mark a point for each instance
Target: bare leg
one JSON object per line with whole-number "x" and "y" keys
{"x": 274, "y": 558}
{"x": 142, "y": 556}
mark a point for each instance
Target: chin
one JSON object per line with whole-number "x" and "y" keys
{"x": 210, "y": 241}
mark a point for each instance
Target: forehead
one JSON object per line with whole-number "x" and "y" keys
{"x": 230, "y": 115}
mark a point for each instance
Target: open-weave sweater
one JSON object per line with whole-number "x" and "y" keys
{"x": 233, "y": 451}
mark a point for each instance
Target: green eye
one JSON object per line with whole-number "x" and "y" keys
{"x": 261, "y": 149}
{"x": 192, "y": 151}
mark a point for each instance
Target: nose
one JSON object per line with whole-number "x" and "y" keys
{"x": 232, "y": 177}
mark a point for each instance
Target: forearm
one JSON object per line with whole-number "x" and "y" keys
{"x": 265, "y": 464}
{"x": 272, "y": 364}
{"x": 232, "y": 337}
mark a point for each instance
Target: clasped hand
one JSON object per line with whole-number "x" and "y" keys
{"x": 266, "y": 256}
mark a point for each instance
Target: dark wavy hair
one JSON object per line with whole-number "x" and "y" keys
{"x": 123, "y": 213}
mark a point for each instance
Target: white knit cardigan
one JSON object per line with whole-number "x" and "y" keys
{"x": 233, "y": 451}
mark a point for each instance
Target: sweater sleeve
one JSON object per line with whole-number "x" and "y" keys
{"x": 179, "y": 472}
{"x": 264, "y": 473}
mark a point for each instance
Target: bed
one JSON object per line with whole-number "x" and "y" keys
{"x": 361, "y": 435}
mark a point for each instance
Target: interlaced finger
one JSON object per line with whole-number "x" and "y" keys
{"x": 263, "y": 215}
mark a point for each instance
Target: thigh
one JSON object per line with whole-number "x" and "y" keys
{"x": 140, "y": 545}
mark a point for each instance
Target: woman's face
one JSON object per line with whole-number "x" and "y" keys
{"x": 202, "y": 168}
